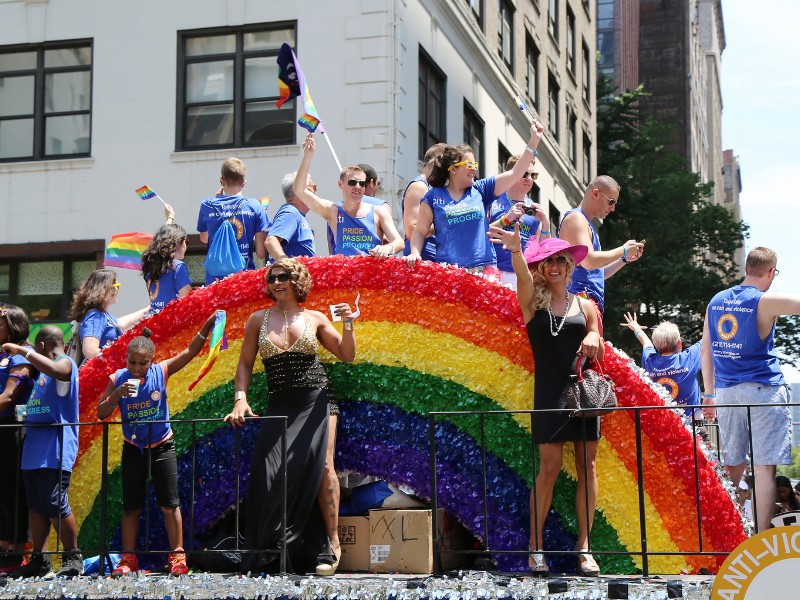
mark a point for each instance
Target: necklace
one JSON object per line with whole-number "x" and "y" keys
{"x": 555, "y": 327}
{"x": 286, "y": 325}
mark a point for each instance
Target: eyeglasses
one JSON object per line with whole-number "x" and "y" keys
{"x": 611, "y": 201}
{"x": 282, "y": 277}
{"x": 529, "y": 175}
{"x": 777, "y": 271}
{"x": 559, "y": 260}
{"x": 470, "y": 164}
{"x": 312, "y": 187}
{"x": 357, "y": 183}
{"x": 116, "y": 284}
{"x": 3, "y": 311}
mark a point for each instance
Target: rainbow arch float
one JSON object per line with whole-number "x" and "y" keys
{"x": 429, "y": 339}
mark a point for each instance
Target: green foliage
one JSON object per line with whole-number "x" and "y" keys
{"x": 791, "y": 471}
{"x": 690, "y": 243}
{"x": 787, "y": 340}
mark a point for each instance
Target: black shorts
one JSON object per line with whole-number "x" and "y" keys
{"x": 163, "y": 470}
{"x": 47, "y": 493}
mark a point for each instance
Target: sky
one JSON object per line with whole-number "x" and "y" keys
{"x": 761, "y": 124}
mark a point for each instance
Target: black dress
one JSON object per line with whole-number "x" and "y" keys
{"x": 298, "y": 389}
{"x": 553, "y": 358}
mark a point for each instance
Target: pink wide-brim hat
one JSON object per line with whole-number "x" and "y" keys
{"x": 537, "y": 252}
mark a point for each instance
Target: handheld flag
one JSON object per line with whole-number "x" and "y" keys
{"x": 292, "y": 84}
{"x": 264, "y": 201}
{"x": 146, "y": 192}
{"x": 217, "y": 341}
{"x": 125, "y": 250}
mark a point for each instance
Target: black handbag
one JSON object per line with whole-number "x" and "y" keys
{"x": 589, "y": 392}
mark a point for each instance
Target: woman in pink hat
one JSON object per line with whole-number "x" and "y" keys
{"x": 562, "y": 328}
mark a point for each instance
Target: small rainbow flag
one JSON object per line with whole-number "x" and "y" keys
{"x": 292, "y": 84}
{"x": 146, "y": 192}
{"x": 264, "y": 201}
{"x": 217, "y": 341}
{"x": 126, "y": 249}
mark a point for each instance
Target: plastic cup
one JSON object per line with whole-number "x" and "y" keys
{"x": 135, "y": 383}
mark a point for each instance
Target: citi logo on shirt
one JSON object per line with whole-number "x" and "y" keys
{"x": 340, "y": 219}
{"x": 438, "y": 201}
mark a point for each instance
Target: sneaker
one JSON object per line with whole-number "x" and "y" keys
{"x": 127, "y": 564}
{"x": 71, "y": 564}
{"x": 38, "y": 566}
{"x": 10, "y": 561}
{"x": 177, "y": 562}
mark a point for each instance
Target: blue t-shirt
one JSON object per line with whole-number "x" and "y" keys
{"x": 246, "y": 215}
{"x": 461, "y": 225}
{"x": 165, "y": 289}
{"x": 356, "y": 235}
{"x": 738, "y": 352}
{"x": 677, "y": 372}
{"x": 42, "y": 448}
{"x": 429, "y": 247}
{"x": 590, "y": 281}
{"x": 6, "y": 364}
{"x": 294, "y": 230}
{"x": 528, "y": 226}
{"x": 150, "y": 404}
{"x": 101, "y": 325}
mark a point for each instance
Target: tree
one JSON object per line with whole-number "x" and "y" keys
{"x": 690, "y": 243}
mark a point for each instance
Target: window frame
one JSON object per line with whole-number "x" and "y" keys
{"x": 531, "y": 50}
{"x": 571, "y": 42}
{"x": 426, "y": 138}
{"x": 553, "y": 105}
{"x": 478, "y": 14}
{"x": 38, "y": 114}
{"x": 552, "y": 19}
{"x": 572, "y": 138}
{"x": 505, "y": 8}
{"x": 473, "y": 120}
{"x": 587, "y": 159}
{"x": 239, "y": 102}
{"x": 503, "y": 154}
{"x": 586, "y": 74}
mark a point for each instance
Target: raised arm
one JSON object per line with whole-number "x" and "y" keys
{"x": 244, "y": 371}
{"x": 177, "y": 362}
{"x": 324, "y": 208}
{"x": 512, "y": 242}
{"x": 575, "y": 230}
{"x": 58, "y": 369}
{"x": 127, "y": 321}
{"x": 771, "y": 306}
{"x": 633, "y": 324}
{"x": 341, "y": 346}
{"x": 506, "y": 179}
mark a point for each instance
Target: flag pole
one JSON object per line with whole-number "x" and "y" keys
{"x": 333, "y": 152}
{"x": 162, "y": 200}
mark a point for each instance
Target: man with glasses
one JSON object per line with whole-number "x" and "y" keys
{"x": 741, "y": 367}
{"x": 291, "y": 234}
{"x": 510, "y": 208}
{"x": 359, "y": 228}
{"x": 599, "y": 200}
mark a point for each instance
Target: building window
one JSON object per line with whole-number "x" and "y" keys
{"x": 476, "y": 6}
{"x": 605, "y": 37}
{"x": 572, "y": 139}
{"x": 45, "y": 101}
{"x": 505, "y": 32}
{"x": 555, "y": 218}
{"x": 552, "y": 18}
{"x": 531, "y": 71}
{"x": 41, "y": 278}
{"x": 552, "y": 102}
{"x": 228, "y": 85}
{"x": 431, "y": 104}
{"x": 586, "y": 74}
{"x": 570, "y": 41}
{"x": 473, "y": 131}
{"x": 587, "y": 159}
{"x": 502, "y": 157}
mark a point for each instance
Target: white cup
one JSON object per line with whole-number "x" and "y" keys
{"x": 135, "y": 383}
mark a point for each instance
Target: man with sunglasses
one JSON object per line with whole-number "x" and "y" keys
{"x": 588, "y": 280}
{"x": 741, "y": 368}
{"x": 359, "y": 228}
{"x": 510, "y": 208}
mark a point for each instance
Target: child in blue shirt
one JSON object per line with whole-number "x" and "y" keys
{"x": 140, "y": 392}
{"x": 163, "y": 268}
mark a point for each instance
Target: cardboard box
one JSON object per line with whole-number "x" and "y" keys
{"x": 354, "y": 538}
{"x": 401, "y": 541}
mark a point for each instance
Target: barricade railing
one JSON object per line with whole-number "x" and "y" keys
{"x": 702, "y": 432}
{"x": 104, "y": 550}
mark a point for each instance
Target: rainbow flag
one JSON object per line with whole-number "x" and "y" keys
{"x": 264, "y": 201}
{"x": 146, "y": 192}
{"x": 126, "y": 249}
{"x": 291, "y": 84}
{"x": 217, "y": 341}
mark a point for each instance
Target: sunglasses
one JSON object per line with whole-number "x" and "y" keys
{"x": 116, "y": 285}
{"x": 611, "y": 201}
{"x": 312, "y": 187}
{"x": 282, "y": 277}
{"x": 529, "y": 175}
{"x": 470, "y": 164}
{"x": 559, "y": 260}
{"x": 357, "y": 183}
{"x": 3, "y": 312}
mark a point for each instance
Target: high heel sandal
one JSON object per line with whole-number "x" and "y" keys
{"x": 536, "y": 562}
{"x": 587, "y": 566}
{"x": 329, "y": 570}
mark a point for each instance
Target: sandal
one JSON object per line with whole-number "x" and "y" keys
{"x": 537, "y": 563}
{"x": 587, "y": 566}
{"x": 329, "y": 570}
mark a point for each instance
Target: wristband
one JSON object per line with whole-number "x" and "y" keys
{"x": 201, "y": 336}
{"x": 637, "y": 332}
{"x": 516, "y": 251}
{"x": 504, "y": 222}
{"x": 544, "y": 232}
{"x": 709, "y": 395}
{"x": 240, "y": 395}
{"x": 347, "y": 324}
{"x": 29, "y": 352}
{"x": 531, "y": 150}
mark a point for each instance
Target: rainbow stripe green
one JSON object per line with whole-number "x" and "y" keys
{"x": 431, "y": 339}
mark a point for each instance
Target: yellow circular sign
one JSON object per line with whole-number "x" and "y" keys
{"x": 670, "y": 384}
{"x": 727, "y": 318}
{"x": 238, "y": 226}
{"x": 763, "y": 566}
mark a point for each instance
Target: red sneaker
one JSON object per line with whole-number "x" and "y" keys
{"x": 177, "y": 563}
{"x": 127, "y": 564}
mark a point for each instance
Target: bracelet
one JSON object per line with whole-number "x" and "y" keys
{"x": 201, "y": 336}
{"x": 29, "y": 352}
{"x": 531, "y": 150}
{"x": 504, "y": 222}
{"x": 172, "y": 219}
{"x": 544, "y": 232}
{"x": 240, "y": 395}
{"x": 637, "y": 332}
{"x": 709, "y": 395}
{"x": 516, "y": 251}
{"x": 347, "y": 324}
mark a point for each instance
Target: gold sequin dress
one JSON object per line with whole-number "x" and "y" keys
{"x": 298, "y": 389}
